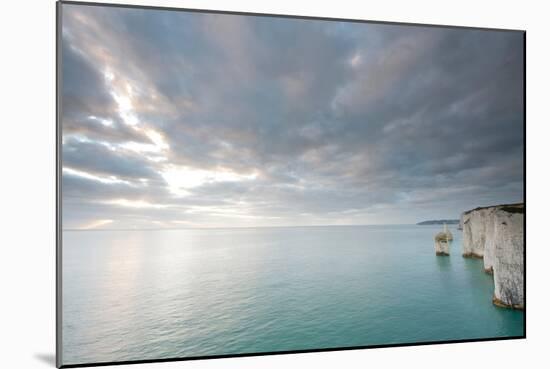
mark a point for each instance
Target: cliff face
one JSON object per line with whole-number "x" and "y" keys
{"x": 474, "y": 227}
{"x": 496, "y": 235}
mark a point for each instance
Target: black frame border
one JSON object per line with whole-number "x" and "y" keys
{"x": 59, "y": 166}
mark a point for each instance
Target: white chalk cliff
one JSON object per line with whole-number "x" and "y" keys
{"x": 495, "y": 234}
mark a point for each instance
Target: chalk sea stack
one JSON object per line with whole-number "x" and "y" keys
{"x": 495, "y": 234}
{"x": 441, "y": 244}
{"x": 442, "y": 240}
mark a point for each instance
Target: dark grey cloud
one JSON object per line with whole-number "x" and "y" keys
{"x": 173, "y": 118}
{"x": 102, "y": 160}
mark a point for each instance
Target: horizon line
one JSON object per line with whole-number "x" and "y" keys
{"x": 243, "y": 227}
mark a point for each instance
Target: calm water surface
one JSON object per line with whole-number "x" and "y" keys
{"x": 133, "y": 295}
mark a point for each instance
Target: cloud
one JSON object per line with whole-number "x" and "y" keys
{"x": 106, "y": 160}
{"x": 278, "y": 121}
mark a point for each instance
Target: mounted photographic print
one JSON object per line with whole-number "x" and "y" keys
{"x": 236, "y": 184}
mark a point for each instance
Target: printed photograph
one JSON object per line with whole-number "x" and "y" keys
{"x": 241, "y": 184}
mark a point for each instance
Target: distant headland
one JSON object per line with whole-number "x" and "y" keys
{"x": 439, "y": 221}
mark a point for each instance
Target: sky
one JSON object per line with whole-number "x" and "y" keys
{"x": 177, "y": 119}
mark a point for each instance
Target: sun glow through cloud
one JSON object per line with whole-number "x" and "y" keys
{"x": 138, "y": 204}
{"x": 125, "y": 109}
{"x": 181, "y": 179}
{"x": 94, "y": 177}
{"x": 97, "y": 224}
{"x": 105, "y": 122}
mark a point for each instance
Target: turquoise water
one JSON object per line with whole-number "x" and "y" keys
{"x": 136, "y": 295}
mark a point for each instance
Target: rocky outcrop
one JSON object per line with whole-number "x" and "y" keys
{"x": 442, "y": 244}
{"x": 496, "y": 234}
{"x": 442, "y": 240}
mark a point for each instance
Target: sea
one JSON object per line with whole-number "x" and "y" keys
{"x": 155, "y": 294}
